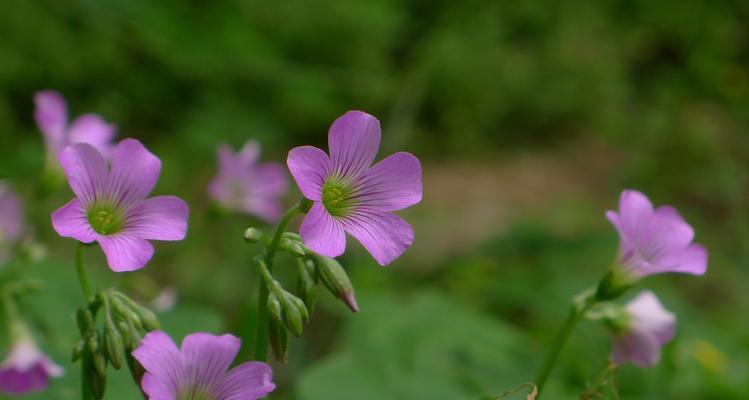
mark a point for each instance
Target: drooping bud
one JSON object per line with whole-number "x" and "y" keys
{"x": 114, "y": 345}
{"x": 334, "y": 277}
{"x": 253, "y": 235}
{"x": 306, "y": 286}
{"x": 84, "y": 320}
{"x": 279, "y": 341}
{"x": 292, "y": 314}
{"x": 274, "y": 308}
{"x": 78, "y": 350}
{"x": 96, "y": 382}
{"x": 294, "y": 247}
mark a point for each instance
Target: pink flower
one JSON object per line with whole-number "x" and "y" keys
{"x": 655, "y": 241}
{"x": 26, "y": 369}
{"x": 647, "y": 329}
{"x": 352, "y": 195}
{"x": 10, "y": 219}
{"x": 111, "y": 207}
{"x": 245, "y": 186}
{"x": 51, "y": 115}
{"x": 199, "y": 369}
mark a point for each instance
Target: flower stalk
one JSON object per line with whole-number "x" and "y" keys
{"x": 88, "y": 294}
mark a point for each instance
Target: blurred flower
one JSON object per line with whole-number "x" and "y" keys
{"x": 647, "y": 327}
{"x": 352, "y": 196}
{"x": 245, "y": 186}
{"x": 111, "y": 207}
{"x": 51, "y": 115}
{"x": 654, "y": 241}
{"x": 198, "y": 370}
{"x": 26, "y": 368}
{"x": 10, "y": 219}
{"x": 166, "y": 299}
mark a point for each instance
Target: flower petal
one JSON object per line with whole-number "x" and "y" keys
{"x": 249, "y": 154}
{"x": 649, "y": 315}
{"x": 158, "y": 354}
{"x": 635, "y": 211}
{"x": 16, "y": 381}
{"x": 353, "y": 141}
{"x": 207, "y": 357}
{"x": 322, "y": 233}
{"x": 125, "y": 252}
{"x": 691, "y": 260}
{"x": 248, "y": 381}
{"x": 86, "y": 170}
{"x": 384, "y": 235}
{"x": 134, "y": 172}
{"x": 392, "y": 184}
{"x": 638, "y": 348}
{"x": 94, "y": 130}
{"x": 309, "y": 166}
{"x": 158, "y": 218}
{"x": 665, "y": 233}
{"x": 70, "y": 221}
{"x": 51, "y": 116}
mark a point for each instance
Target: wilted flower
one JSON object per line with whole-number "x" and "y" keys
{"x": 111, "y": 207}
{"x": 51, "y": 115}
{"x": 200, "y": 369}
{"x": 245, "y": 186}
{"x": 10, "y": 219}
{"x": 646, "y": 327}
{"x": 350, "y": 195}
{"x": 654, "y": 241}
{"x": 26, "y": 368}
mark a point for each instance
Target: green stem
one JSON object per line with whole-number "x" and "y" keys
{"x": 82, "y": 277}
{"x": 576, "y": 312}
{"x": 85, "y": 391}
{"x": 261, "y": 334}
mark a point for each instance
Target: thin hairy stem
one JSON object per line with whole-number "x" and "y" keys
{"x": 82, "y": 277}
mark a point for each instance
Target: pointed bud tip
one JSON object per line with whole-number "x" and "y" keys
{"x": 350, "y": 301}
{"x": 253, "y": 235}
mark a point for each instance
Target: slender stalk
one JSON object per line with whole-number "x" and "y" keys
{"x": 576, "y": 312}
{"x": 85, "y": 391}
{"x": 261, "y": 334}
{"x": 82, "y": 277}
{"x": 606, "y": 375}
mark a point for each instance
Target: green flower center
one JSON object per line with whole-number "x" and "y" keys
{"x": 105, "y": 219}
{"x": 336, "y": 197}
{"x": 195, "y": 393}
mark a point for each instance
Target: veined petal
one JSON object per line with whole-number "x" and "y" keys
{"x": 322, "y": 233}
{"x": 86, "y": 170}
{"x": 635, "y": 211}
{"x": 94, "y": 130}
{"x": 125, "y": 252}
{"x": 248, "y": 381}
{"x": 70, "y": 221}
{"x": 639, "y": 348}
{"x": 353, "y": 141}
{"x": 207, "y": 357}
{"x": 309, "y": 166}
{"x": 392, "y": 184}
{"x": 158, "y": 218}
{"x": 134, "y": 173}
{"x": 161, "y": 358}
{"x": 665, "y": 233}
{"x": 384, "y": 235}
{"x": 51, "y": 115}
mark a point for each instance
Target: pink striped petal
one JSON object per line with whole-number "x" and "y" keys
{"x": 322, "y": 233}
{"x": 248, "y": 381}
{"x": 86, "y": 170}
{"x": 158, "y": 218}
{"x": 309, "y": 166}
{"x": 353, "y": 141}
{"x": 384, "y": 235}
{"x": 134, "y": 172}
{"x": 392, "y": 184}
{"x": 125, "y": 252}
{"x": 70, "y": 221}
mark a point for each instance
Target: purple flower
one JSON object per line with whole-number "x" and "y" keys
{"x": 654, "y": 241}
{"x": 199, "y": 370}
{"x": 26, "y": 369}
{"x": 51, "y": 115}
{"x": 10, "y": 219}
{"x": 111, "y": 207}
{"x": 648, "y": 327}
{"x": 245, "y": 186}
{"x": 352, "y": 195}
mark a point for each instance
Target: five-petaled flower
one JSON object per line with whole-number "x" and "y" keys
{"x": 352, "y": 195}
{"x": 245, "y": 186}
{"x": 653, "y": 241}
{"x": 26, "y": 369}
{"x": 10, "y": 220}
{"x": 199, "y": 370}
{"x": 111, "y": 207}
{"x": 51, "y": 115}
{"x": 647, "y": 327}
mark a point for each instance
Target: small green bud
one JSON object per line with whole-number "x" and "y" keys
{"x": 334, "y": 277}
{"x": 92, "y": 344}
{"x": 100, "y": 363}
{"x": 292, "y": 236}
{"x": 299, "y": 304}
{"x": 115, "y": 347}
{"x": 279, "y": 341}
{"x": 253, "y": 235}
{"x": 148, "y": 318}
{"x": 292, "y": 317}
{"x": 96, "y": 382}
{"x": 78, "y": 350}
{"x": 84, "y": 320}
{"x": 136, "y": 370}
{"x": 615, "y": 283}
{"x": 274, "y": 308}
{"x": 306, "y": 286}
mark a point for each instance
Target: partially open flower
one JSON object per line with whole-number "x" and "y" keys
{"x": 111, "y": 207}
{"x": 51, "y": 115}
{"x": 646, "y": 327}
{"x": 352, "y": 195}
{"x": 26, "y": 369}
{"x": 244, "y": 185}
{"x": 10, "y": 220}
{"x": 654, "y": 240}
{"x": 199, "y": 370}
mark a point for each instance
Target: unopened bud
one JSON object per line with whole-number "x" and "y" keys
{"x": 97, "y": 383}
{"x": 100, "y": 363}
{"x": 84, "y": 320}
{"x": 274, "y": 307}
{"x": 279, "y": 341}
{"x": 306, "y": 286}
{"x": 253, "y": 235}
{"x": 78, "y": 350}
{"x": 292, "y": 317}
{"x": 334, "y": 277}
{"x": 114, "y": 345}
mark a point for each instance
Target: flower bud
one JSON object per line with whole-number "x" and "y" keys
{"x": 279, "y": 341}
{"x": 253, "y": 235}
{"x": 274, "y": 307}
{"x": 84, "y": 320}
{"x": 136, "y": 370}
{"x": 334, "y": 277}
{"x": 306, "y": 286}
{"x": 92, "y": 344}
{"x": 292, "y": 316}
{"x": 97, "y": 383}
{"x": 114, "y": 346}
{"x": 78, "y": 350}
{"x": 614, "y": 284}
{"x": 100, "y": 363}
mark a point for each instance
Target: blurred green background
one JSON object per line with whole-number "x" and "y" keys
{"x": 530, "y": 118}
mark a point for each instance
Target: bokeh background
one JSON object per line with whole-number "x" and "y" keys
{"x": 529, "y": 117}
